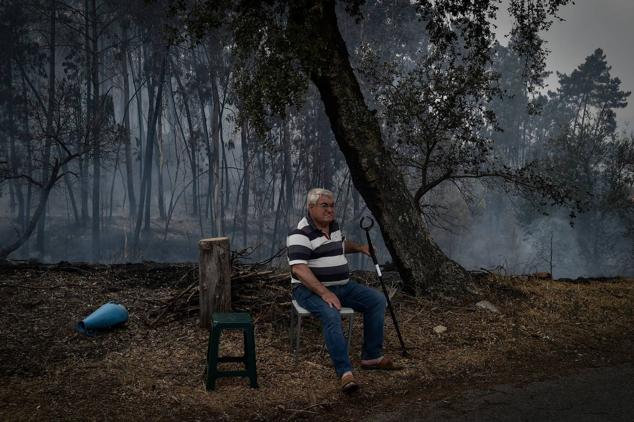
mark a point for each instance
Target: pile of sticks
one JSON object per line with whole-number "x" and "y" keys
{"x": 254, "y": 288}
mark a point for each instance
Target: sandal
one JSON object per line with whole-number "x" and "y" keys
{"x": 348, "y": 385}
{"x": 385, "y": 364}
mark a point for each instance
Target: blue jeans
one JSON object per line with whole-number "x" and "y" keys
{"x": 362, "y": 299}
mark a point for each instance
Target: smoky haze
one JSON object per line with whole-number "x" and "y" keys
{"x": 586, "y": 26}
{"x": 207, "y": 173}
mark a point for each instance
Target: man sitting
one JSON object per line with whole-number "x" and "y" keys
{"x": 321, "y": 285}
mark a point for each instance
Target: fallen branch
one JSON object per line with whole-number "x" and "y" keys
{"x": 171, "y": 304}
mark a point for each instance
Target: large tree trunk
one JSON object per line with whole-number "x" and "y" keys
{"x": 420, "y": 261}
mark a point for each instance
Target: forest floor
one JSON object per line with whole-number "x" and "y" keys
{"x": 153, "y": 367}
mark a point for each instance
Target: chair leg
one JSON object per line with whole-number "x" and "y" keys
{"x": 298, "y": 332}
{"x": 290, "y": 329}
{"x": 350, "y": 317}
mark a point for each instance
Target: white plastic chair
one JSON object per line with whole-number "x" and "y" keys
{"x": 298, "y": 312}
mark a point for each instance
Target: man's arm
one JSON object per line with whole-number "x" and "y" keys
{"x": 308, "y": 279}
{"x": 351, "y": 247}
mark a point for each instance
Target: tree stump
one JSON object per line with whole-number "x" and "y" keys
{"x": 214, "y": 278}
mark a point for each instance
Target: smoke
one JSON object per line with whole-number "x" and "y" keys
{"x": 497, "y": 238}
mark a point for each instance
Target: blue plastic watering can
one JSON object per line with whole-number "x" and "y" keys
{"x": 105, "y": 317}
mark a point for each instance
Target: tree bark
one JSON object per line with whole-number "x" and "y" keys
{"x": 13, "y": 154}
{"x": 288, "y": 175}
{"x": 153, "y": 112}
{"x": 84, "y": 159}
{"x": 246, "y": 186}
{"x": 160, "y": 160}
{"x": 98, "y": 116}
{"x": 421, "y": 263}
{"x": 39, "y": 211}
{"x": 209, "y": 208}
{"x": 214, "y": 278}
{"x": 215, "y": 168}
{"x": 41, "y": 232}
{"x": 193, "y": 144}
{"x": 137, "y": 81}
{"x": 147, "y": 174}
{"x": 69, "y": 188}
{"x": 29, "y": 167}
{"x": 126, "y": 120}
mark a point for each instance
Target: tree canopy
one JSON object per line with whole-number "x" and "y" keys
{"x": 280, "y": 46}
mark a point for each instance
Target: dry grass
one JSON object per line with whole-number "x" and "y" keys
{"x": 48, "y": 371}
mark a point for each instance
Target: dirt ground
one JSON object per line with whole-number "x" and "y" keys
{"x": 604, "y": 394}
{"x": 153, "y": 368}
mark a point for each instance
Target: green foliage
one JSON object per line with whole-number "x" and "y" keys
{"x": 580, "y": 148}
{"x": 439, "y": 112}
{"x": 268, "y": 77}
{"x": 433, "y": 113}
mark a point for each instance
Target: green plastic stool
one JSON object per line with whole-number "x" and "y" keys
{"x": 231, "y": 321}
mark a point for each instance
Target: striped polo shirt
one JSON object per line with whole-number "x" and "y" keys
{"x": 325, "y": 257}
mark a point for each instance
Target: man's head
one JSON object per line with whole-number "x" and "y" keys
{"x": 321, "y": 206}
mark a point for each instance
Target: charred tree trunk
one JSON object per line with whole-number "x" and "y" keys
{"x": 288, "y": 175}
{"x": 41, "y": 232}
{"x": 129, "y": 171}
{"x": 84, "y": 159}
{"x": 39, "y": 212}
{"x": 215, "y": 168}
{"x": 244, "y": 140}
{"x": 29, "y": 167}
{"x": 285, "y": 189}
{"x": 147, "y": 174}
{"x": 160, "y": 160}
{"x": 209, "y": 208}
{"x": 98, "y": 116}
{"x": 420, "y": 261}
{"x": 69, "y": 188}
{"x": 83, "y": 189}
{"x": 226, "y": 185}
{"x": 193, "y": 144}
{"x": 13, "y": 154}
{"x": 153, "y": 113}
{"x": 260, "y": 194}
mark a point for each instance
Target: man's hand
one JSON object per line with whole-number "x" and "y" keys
{"x": 365, "y": 249}
{"x": 308, "y": 279}
{"x": 331, "y": 299}
{"x": 352, "y": 247}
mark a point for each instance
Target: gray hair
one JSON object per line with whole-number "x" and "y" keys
{"x": 313, "y": 195}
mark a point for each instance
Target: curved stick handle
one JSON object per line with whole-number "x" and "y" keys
{"x": 366, "y": 226}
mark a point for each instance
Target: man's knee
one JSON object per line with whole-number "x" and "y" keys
{"x": 330, "y": 316}
{"x": 378, "y": 300}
